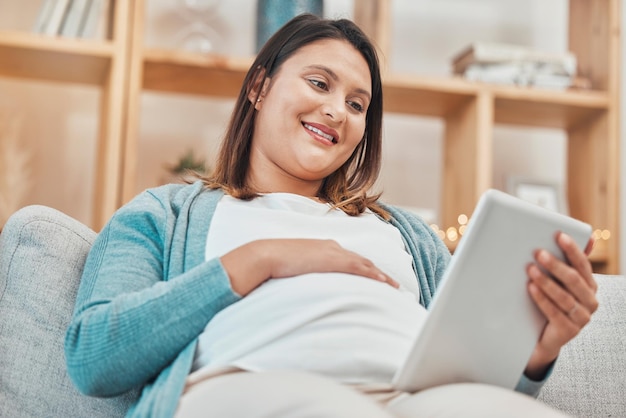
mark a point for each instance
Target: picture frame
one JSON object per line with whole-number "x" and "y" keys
{"x": 547, "y": 194}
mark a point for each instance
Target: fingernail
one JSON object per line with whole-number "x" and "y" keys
{"x": 565, "y": 239}
{"x": 543, "y": 256}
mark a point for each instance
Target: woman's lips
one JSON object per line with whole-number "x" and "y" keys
{"x": 324, "y": 132}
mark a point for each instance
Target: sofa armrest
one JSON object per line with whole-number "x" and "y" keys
{"x": 589, "y": 378}
{"x": 42, "y": 253}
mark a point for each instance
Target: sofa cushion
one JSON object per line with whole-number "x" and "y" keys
{"x": 589, "y": 378}
{"x": 42, "y": 253}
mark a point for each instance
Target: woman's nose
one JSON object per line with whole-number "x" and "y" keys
{"x": 335, "y": 108}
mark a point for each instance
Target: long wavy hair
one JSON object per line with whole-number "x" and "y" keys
{"x": 349, "y": 187}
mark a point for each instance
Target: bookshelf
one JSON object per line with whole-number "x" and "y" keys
{"x": 469, "y": 110}
{"x": 123, "y": 68}
{"x": 98, "y": 63}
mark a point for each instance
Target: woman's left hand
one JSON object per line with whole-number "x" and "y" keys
{"x": 566, "y": 294}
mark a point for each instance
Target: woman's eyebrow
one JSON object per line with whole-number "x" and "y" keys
{"x": 335, "y": 77}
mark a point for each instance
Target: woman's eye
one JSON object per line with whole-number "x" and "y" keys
{"x": 319, "y": 84}
{"x": 356, "y": 106}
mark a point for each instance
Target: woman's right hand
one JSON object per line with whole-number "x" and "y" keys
{"x": 251, "y": 264}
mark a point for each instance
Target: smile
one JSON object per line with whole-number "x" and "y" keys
{"x": 321, "y": 133}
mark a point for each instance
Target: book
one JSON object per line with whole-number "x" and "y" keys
{"x": 495, "y": 53}
{"x": 96, "y": 20}
{"x": 72, "y": 25}
{"x": 55, "y": 21}
{"x": 43, "y": 16}
{"x": 519, "y": 74}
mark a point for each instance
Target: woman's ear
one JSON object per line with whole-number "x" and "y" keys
{"x": 258, "y": 89}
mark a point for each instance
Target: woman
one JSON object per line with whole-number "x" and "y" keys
{"x": 279, "y": 286}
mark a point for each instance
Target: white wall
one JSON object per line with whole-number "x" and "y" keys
{"x": 60, "y": 122}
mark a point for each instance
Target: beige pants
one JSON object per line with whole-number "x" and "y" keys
{"x": 289, "y": 394}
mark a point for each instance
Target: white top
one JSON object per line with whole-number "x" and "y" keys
{"x": 347, "y": 327}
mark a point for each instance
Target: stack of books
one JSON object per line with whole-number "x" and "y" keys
{"x": 501, "y": 63}
{"x": 74, "y": 18}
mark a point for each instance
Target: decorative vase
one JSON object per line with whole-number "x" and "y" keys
{"x": 198, "y": 33}
{"x": 272, "y": 14}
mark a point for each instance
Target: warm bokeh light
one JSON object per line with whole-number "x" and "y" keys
{"x": 452, "y": 234}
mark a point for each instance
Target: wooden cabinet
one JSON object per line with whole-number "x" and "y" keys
{"x": 123, "y": 68}
{"x": 102, "y": 64}
{"x": 470, "y": 110}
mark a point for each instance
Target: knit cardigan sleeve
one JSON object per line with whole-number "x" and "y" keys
{"x": 131, "y": 318}
{"x": 430, "y": 255}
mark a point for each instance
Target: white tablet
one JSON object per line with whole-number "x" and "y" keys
{"x": 482, "y": 324}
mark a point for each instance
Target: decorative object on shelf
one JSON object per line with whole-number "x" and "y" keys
{"x": 15, "y": 176}
{"x": 501, "y": 63}
{"x": 198, "y": 35}
{"x": 272, "y": 14}
{"x": 547, "y": 194}
{"x": 185, "y": 167}
{"x": 75, "y": 18}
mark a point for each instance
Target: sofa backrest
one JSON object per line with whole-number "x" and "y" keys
{"x": 589, "y": 378}
{"x": 42, "y": 253}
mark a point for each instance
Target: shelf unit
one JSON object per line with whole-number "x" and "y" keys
{"x": 102, "y": 64}
{"x": 123, "y": 68}
{"x": 470, "y": 111}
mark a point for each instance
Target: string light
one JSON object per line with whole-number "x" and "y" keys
{"x": 454, "y": 233}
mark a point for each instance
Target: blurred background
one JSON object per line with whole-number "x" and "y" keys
{"x": 58, "y": 123}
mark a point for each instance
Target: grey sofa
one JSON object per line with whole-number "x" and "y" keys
{"x": 42, "y": 252}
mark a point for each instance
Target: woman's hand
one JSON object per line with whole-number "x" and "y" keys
{"x": 251, "y": 264}
{"x": 566, "y": 295}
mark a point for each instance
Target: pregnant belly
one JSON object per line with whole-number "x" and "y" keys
{"x": 344, "y": 326}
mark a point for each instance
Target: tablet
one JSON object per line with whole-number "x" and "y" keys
{"x": 482, "y": 325}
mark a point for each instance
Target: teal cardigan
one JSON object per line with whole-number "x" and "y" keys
{"x": 147, "y": 293}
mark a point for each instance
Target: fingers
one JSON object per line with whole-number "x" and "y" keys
{"x": 564, "y": 293}
{"x": 364, "y": 267}
{"x": 578, "y": 259}
{"x": 555, "y": 302}
{"x": 563, "y": 283}
{"x": 571, "y": 288}
{"x": 589, "y": 246}
{"x": 577, "y": 276}
{"x": 293, "y": 257}
{"x": 555, "y": 314}
{"x": 559, "y": 298}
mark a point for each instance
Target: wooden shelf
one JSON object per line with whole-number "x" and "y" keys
{"x": 221, "y": 76}
{"x": 192, "y": 73}
{"x": 545, "y": 108}
{"x": 524, "y": 106}
{"x": 32, "y": 56}
{"x": 426, "y": 96}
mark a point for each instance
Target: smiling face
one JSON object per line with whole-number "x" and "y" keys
{"x": 311, "y": 117}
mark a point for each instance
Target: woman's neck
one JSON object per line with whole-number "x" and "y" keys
{"x": 272, "y": 183}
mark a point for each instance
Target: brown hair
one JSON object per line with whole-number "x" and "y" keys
{"x": 347, "y": 188}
